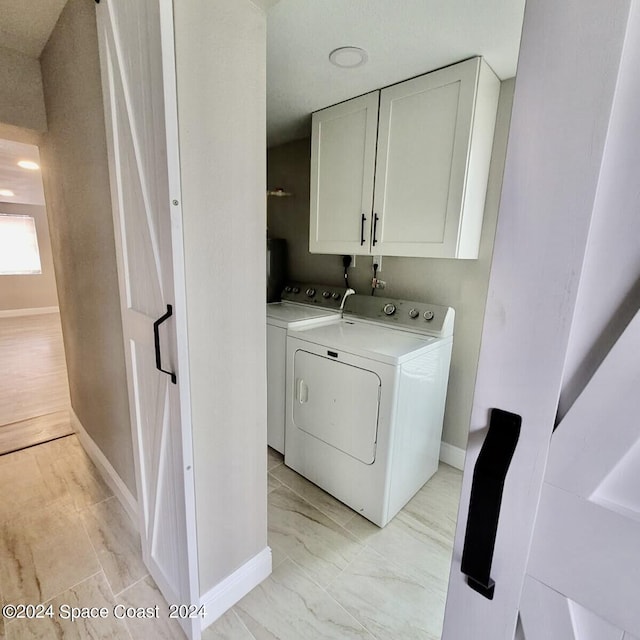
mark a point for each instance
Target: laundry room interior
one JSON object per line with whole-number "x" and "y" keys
{"x": 368, "y": 555}
{"x": 318, "y": 134}
{"x": 458, "y": 283}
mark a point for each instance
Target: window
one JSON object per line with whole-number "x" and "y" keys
{"x": 18, "y": 245}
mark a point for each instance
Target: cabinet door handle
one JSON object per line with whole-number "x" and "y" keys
{"x": 375, "y": 228}
{"x": 362, "y": 221}
{"x": 156, "y": 340}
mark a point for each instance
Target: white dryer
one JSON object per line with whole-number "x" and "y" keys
{"x": 365, "y": 401}
{"x": 302, "y": 305}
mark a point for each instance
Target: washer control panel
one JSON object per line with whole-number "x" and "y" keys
{"x": 323, "y": 295}
{"x": 410, "y": 315}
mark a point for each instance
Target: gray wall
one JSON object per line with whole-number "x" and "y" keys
{"x": 21, "y": 99}
{"x": 221, "y": 117}
{"x": 461, "y": 284}
{"x": 76, "y": 183}
{"x": 30, "y": 291}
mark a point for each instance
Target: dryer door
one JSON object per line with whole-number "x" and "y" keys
{"x": 337, "y": 403}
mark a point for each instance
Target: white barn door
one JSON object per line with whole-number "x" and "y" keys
{"x": 575, "y": 108}
{"x": 137, "y": 66}
{"x": 582, "y": 576}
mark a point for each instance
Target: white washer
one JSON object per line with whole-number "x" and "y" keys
{"x": 302, "y": 305}
{"x": 365, "y": 401}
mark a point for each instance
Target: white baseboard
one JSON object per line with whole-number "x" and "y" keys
{"x": 451, "y": 455}
{"x": 234, "y": 587}
{"x": 35, "y": 311}
{"x": 106, "y": 470}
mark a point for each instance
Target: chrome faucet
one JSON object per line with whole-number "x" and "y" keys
{"x": 347, "y": 293}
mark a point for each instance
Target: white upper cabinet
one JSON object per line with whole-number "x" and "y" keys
{"x": 343, "y": 157}
{"x": 433, "y": 150}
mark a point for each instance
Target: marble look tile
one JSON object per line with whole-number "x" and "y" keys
{"x": 314, "y": 541}
{"x": 436, "y": 504}
{"x": 67, "y": 461}
{"x": 145, "y": 594}
{"x": 277, "y": 554}
{"x": 93, "y": 592}
{"x": 388, "y": 601}
{"x": 116, "y": 542}
{"x": 25, "y": 487}
{"x": 408, "y": 543}
{"x": 44, "y": 553}
{"x": 227, "y": 627}
{"x": 320, "y": 499}
{"x": 289, "y": 606}
{"x": 273, "y": 482}
{"x": 274, "y": 459}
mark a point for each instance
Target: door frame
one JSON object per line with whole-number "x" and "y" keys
{"x": 565, "y": 86}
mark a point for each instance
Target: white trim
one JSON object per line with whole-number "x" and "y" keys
{"x": 106, "y": 470}
{"x": 451, "y": 455}
{"x": 33, "y": 311}
{"x": 234, "y": 587}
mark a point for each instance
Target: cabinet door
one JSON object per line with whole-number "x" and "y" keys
{"x": 424, "y": 145}
{"x": 343, "y": 148}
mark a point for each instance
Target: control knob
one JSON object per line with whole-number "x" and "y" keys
{"x": 335, "y": 296}
{"x": 326, "y": 294}
{"x": 428, "y": 315}
{"x": 310, "y": 292}
{"x": 389, "y": 309}
{"x": 287, "y": 289}
{"x": 413, "y": 313}
{"x": 296, "y": 289}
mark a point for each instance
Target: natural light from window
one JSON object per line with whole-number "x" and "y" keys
{"x": 19, "y": 253}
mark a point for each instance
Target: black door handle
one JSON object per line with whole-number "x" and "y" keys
{"x": 362, "y": 221}
{"x": 375, "y": 228}
{"x": 156, "y": 339}
{"x": 485, "y": 500}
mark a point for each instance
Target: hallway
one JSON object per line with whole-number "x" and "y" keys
{"x": 65, "y": 539}
{"x": 34, "y": 400}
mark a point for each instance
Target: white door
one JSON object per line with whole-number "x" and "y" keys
{"x": 330, "y": 394}
{"x": 343, "y": 156}
{"x": 136, "y": 55}
{"x": 566, "y": 547}
{"x": 582, "y": 576}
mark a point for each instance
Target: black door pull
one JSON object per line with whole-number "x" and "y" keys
{"x": 362, "y": 221}
{"x": 486, "y": 496}
{"x": 375, "y": 229}
{"x": 156, "y": 339}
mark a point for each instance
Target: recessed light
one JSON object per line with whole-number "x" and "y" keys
{"x": 348, "y": 57}
{"x": 29, "y": 164}
{"x": 7, "y": 193}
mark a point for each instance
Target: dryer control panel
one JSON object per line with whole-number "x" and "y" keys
{"x": 432, "y": 319}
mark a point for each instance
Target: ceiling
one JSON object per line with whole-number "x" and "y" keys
{"x": 27, "y": 24}
{"x": 403, "y": 38}
{"x": 26, "y": 184}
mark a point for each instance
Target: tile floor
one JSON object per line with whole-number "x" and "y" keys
{"x": 337, "y": 576}
{"x": 64, "y": 539}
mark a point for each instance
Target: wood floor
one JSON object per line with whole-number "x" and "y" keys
{"x": 34, "y": 397}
